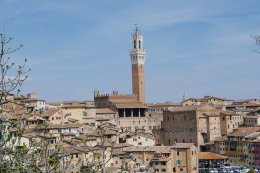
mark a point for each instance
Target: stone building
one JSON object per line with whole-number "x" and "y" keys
{"x": 54, "y": 116}
{"x": 155, "y": 113}
{"x": 191, "y": 124}
{"x": 252, "y": 121}
{"x": 207, "y": 100}
{"x": 229, "y": 121}
{"x": 244, "y": 106}
{"x": 241, "y": 146}
{"x": 178, "y": 158}
{"x": 76, "y": 110}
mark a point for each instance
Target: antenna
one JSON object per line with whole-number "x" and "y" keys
{"x": 183, "y": 97}
{"x": 136, "y": 28}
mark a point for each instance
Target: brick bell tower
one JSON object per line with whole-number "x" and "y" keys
{"x": 137, "y": 56}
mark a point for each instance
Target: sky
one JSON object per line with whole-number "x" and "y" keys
{"x": 194, "y": 47}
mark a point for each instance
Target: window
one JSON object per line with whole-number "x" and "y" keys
{"x": 178, "y": 153}
{"x": 139, "y": 143}
{"x": 163, "y": 170}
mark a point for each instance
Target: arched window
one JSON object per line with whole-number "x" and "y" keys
{"x": 134, "y": 44}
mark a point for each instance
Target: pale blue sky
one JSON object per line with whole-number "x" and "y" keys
{"x": 198, "y": 47}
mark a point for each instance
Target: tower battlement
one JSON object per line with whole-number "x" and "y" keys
{"x": 115, "y": 94}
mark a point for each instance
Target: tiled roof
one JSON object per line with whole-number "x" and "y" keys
{"x": 193, "y": 108}
{"x": 227, "y": 113}
{"x": 33, "y": 117}
{"x": 118, "y": 152}
{"x": 72, "y": 119}
{"x": 134, "y": 148}
{"x": 159, "y": 105}
{"x": 244, "y": 131}
{"x": 211, "y": 115}
{"x": 252, "y": 117}
{"x": 210, "y": 156}
{"x": 61, "y": 126}
{"x": 105, "y": 132}
{"x": 112, "y": 169}
{"x": 130, "y": 105}
{"x": 182, "y": 145}
{"x": 48, "y": 113}
{"x": 158, "y": 149}
{"x": 136, "y": 134}
{"x": 76, "y": 104}
{"x": 104, "y": 111}
{"x": 122, "y": 145}
{"x": 68, "y": 134}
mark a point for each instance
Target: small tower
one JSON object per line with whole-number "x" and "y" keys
{"x": 137, "y": 56}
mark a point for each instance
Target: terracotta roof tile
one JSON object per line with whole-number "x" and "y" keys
{"x": 49, "y": 112}
{"x": 244, "y": 131}
{"x": 104, "y": 111}
{"x": 210, "y": 156}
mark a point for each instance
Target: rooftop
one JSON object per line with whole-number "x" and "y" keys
{"x": 104, "y": 111}
{"x": 49, "y": 112}
{"x": 244, "y": 131}
{"x": 210, "y": 156}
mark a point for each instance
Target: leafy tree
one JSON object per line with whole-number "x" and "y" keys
{"x": 15, "y": 156}
{"x": 12, "y": 76}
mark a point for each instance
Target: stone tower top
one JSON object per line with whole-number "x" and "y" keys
{"x": 137, "y": 53}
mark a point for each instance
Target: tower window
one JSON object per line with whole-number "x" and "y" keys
{"x": 134, "y": 44}
{"x": 139, "y": 44}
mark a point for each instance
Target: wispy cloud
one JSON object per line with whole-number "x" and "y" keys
{"x": 86, "y": 43}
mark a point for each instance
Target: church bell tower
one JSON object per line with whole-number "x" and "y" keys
{"x": 137, "y": 56}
